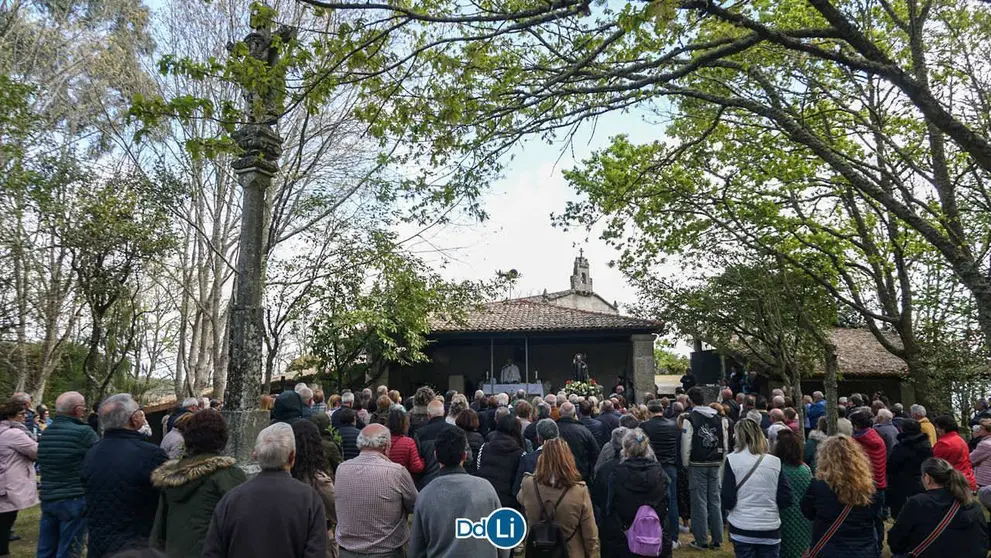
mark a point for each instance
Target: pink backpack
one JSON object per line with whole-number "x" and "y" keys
{"x": 644, "y": 535}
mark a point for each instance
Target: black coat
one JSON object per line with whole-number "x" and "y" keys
{"x": 965, "y": 537}
{"x": 120, "y": 499}
{"x": 475, "y": 441}
{"x": 425, "y": 437}
{"x": 497, "y": 463}
{"x": 855, "y": 538}
{"x": 597, "y": 429}
{"x": 530, "y": 433}
{"x": 583, "y": 445}
{"x": 635, "y": 482}
{"x": 664, "y": 434}
{"x": 288, "y": 407}
{"x": 349, "y": 441}
{"x": 904, "y": 469}
{"x": 610, "y": 422}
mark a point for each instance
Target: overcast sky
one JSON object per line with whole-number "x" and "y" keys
{"x": 519, "y": 234}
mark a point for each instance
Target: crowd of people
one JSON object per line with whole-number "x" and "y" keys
{"x": 371, "y": 474}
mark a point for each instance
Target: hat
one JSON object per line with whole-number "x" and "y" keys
{"x": 547, "y": 429}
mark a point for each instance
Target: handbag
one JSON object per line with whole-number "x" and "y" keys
{"x": 925, "y": 544}
{"x": 814, "y": 551}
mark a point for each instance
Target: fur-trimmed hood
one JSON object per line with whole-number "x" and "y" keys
{"x": 187, "y": 475}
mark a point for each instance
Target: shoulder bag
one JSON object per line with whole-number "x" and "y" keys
{"x": 814, "y": 551}
{"x": 925, "y": 544}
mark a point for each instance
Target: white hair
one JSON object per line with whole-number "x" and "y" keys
{"x": 116, "y": 411}
{"x": 205, "y": 403}
{"x": 379, "y": 440}
{"x": 435, "y": 409}
{"x": 299, "y": 386}
{"x": 817, "y": 395}
{"x": 551, "y": 399}
{"x": 383, "y": 390}
{"x": 778, "y": 400}
{"x": 190, "y": 402}
{"x": 503, "y": 398}
{"x": 884, "y": 415}
{"x": 918, "y": 410}
{"x": 68, "y": 401}
{"x": 274, "y": 446}
{"x": 479, "y": 395}
{"x": 568, "y": 410}
{"x": 305, "y": 393}
{"x": 21, "y": 397}
{"x": 573, "y": 399}
{"x": 347, "y": 397}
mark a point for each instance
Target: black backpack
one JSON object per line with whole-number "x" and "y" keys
{"x": 545, "y": 538}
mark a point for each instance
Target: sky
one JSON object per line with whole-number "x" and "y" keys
{"x": 518, "y": 234}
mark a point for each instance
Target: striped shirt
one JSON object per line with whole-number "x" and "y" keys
{"x": 373, "y": 497}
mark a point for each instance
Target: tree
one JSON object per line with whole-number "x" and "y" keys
{"x": 669, "y": 362}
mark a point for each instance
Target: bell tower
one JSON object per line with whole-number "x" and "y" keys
{"x": 581, "y": 279}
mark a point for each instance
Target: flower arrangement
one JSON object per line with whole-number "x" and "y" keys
{"x": 584, "y": 389}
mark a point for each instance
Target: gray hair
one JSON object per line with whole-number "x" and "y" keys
{"x": 116, "y": 411}
{"x": 573, "y": 399}
{"x": 884, "y": 415}
{"x": 568, "y": 410}
{"x": 637, "y": 444}
{"x": 68, "y": 401}
{"x": 305, "y": 393}
{"x": 918, "y": 410}
{"x": 817, "y": 395}
{"x": 435, "y": 409}
{"x": 543, "y": 411}
{"x": 479, "y": 395}
{"x": 617, "y": 437}
{"x": 299, "y": 386}
{"x": 501, "y": 412}
{"x": 379, "y": 440}
{"x": 275, "y": 446}
{"x": 550, "y": 399}
{"x": 190, "y": 402}
{"x": 21, "y": 397}
{"x": 503, "y": 398}
{"x": 347, "y": 397}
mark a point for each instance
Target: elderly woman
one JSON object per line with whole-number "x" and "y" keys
{"x": 172, "y": 443}
{"x": 17, "y": 454}
{"x": 638, "y": 480}
{"x": 311, "y": 467}
{"x": 191, "y": 487}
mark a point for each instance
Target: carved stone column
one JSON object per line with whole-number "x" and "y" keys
{"x": 643, "y": 365}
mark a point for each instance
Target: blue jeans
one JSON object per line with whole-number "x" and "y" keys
{"x": 707, "y": 512}
{"x": 747, "y": 550}
{"x": 63, "y": 528}
{"x": 672, "y": 523}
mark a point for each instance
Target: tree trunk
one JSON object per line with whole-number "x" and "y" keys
{"x": 829, "y": 385}
{"x": 89, "y": 364}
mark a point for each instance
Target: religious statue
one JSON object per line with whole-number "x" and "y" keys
{"x": 264, "y": 104}
{"x": 580, "y": 368}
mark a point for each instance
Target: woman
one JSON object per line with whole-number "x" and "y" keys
{"x": 403, "y": 449}
{"x": 330, "y": 440}
{"x": 42, "y": 418}
{"x": 525, "y": 413}
{"x": 173, "y": 443}
{"x": 498, "y": 459}
{"x": 816, "y": 436}
{"x": 17, "y": 480}
{"x": 638, "y": 480}
{"x": 555, "y": 492}
{"x": 468, "y": 421}
{"x": 396, "y": 397}
{"x": 905, "y": 464}
{"x": 947, "y": 495}
{"x": 381, "y": 414}
{"x": 796, "y": 530}
{"x": 310, "y": 467}
{"x": 418, "y": 415}
{"x": 980, "y": 458}
{"x": 191, "y": 487}
{"x": 841, "y": 500}
{"x": 754, "y": 490}
{"x": 360, "y": 412}
{"x": 951, "y": 447}
{"x": 458, "y": 403}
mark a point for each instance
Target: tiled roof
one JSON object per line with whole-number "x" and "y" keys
{"x": 526, "y": 314}
{"x": 550, "y": 297}
{"x": 858, "y": 353}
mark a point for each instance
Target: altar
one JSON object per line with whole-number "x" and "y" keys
{"x": 511, "y": 389}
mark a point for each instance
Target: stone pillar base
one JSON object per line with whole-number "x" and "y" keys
{"x": 244, "y": 427}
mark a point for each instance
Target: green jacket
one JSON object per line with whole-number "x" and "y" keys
{"x": 61, "y": 450}
{"x": 191, "y": 488}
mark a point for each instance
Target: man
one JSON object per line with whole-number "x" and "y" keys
{"x": 288, "y": 407}
{"x": 347, "y": 402}
{"x": 751, "y": 383}
{"x": 594, "y": 426}
{"x": 546, "y": 429}
{"x": 688, "y": 380}
{"x": 877, "y": 454}
{"x": 703, "y": 446}
{"x": 510, "y": 373}
{"x": 479, "y": 403}
{"x": 530, "y": 432}
{"x": 348, "y": 432}
{"x": 778, "y": 402}
{"x": 425, "y": 437}
{"x": 189, "y": 405}
{"x": 727, "y": 399}
{"x": 817, "y": 409}
{"x": 580, "y": 440}
{"x": 608, "y": 417}
{"x": 551, "y": 400}
{"x": 886, "y": 429}
{"x": 500, "y": 412}
{"x": 120, "y": 499}
{"x": 61, "y": 452}
{"x": 898, "y": 410}
{"x": 452, "y": 495}
{"x": 272, "y": 514}
{"x": 919, "y": 414}
{"x": 664, "y": 433}
{"x": 29, "y": 422}
{"x": 306, "y": 395}
{"x": 981, "y": 411}
{"x": 373, "y": 497}
{"x": 520, "y": 395}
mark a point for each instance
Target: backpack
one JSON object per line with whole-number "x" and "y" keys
{"x": 545, "y": 538}
{"x": 644, "y": 536}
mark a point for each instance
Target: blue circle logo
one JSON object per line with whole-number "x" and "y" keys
{"x": 505, "y": 528}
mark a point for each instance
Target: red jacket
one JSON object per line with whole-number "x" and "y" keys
{"x": 877, "y": 453}
{"x": 404, "y": 452}
{"x": 953, "y": 448}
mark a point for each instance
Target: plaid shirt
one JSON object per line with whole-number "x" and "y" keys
{"x": 373, "y": 496}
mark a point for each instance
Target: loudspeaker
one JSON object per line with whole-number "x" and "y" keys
{"x": 707, "y": 367}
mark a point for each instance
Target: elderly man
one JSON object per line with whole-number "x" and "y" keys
{"x": 919, "y": 414}
{"x": 452, "y": 495}
{"x": 189, "y": 405}
{"x": 120, "y": 499}
{"x": 61, "y": 452}
{"x": 551, "y": 400}
{"x": 886, "y": 429}
{"x": 425, "y": 442}
{"x": 594, "y": 425}
{"x": 373, "y": 497}
{"x": 347, "y": 402}
{"x": 777, "y": 425}
{"x": 608, "y": 417}
{"x": 272, "y": 514}
{"x": 580, "y": 440}
{"x": 479, "y": 403}
{"x": 817, "y": 409}
{"x": 306, "y": 395}
{"x": 664, "y": 438}
{"x": 727, "y": 399}
{"x": 530, "y": 432}
{"x": 546, "y": 429}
